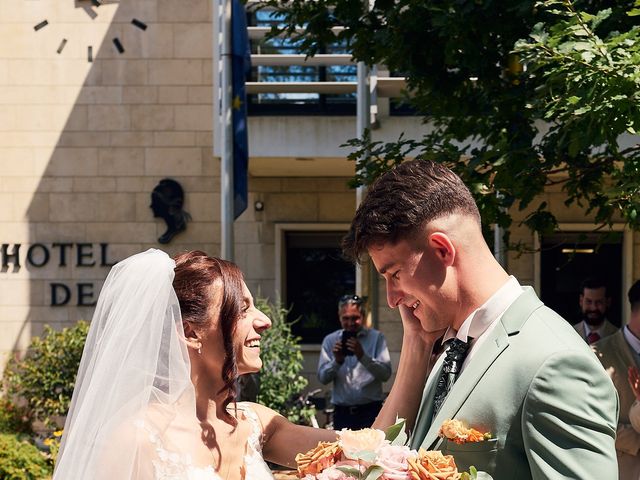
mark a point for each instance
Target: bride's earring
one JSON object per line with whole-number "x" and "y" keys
{"x": 199, "y": 350}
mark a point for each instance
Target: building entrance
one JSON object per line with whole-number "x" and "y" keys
{"x": 566, "y": 258}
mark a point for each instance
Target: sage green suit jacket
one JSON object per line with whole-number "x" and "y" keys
{"x": 540, "y": 391}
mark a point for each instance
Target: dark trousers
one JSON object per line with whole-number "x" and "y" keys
{"x": 356, "y": 416}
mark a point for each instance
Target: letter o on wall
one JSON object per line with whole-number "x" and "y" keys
{"x": 33, "y": 256}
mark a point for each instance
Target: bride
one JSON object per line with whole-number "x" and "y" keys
{"x": 155, "y": 392}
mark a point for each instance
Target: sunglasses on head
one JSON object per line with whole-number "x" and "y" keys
{"x": 352, "y": 299}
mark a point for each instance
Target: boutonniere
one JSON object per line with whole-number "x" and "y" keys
{"x": 456, "y": 431}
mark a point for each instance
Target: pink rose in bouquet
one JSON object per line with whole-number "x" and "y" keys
{"x": 393, "y": 460}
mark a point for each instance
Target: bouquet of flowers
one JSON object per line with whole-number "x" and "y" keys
{"x": 368, "y": 454}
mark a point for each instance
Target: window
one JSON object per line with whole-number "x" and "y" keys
{"x": 297, "y": 103}
{"x": 316, "y": 275}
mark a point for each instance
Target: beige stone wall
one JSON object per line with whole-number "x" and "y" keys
{"x": 83, "y": 144}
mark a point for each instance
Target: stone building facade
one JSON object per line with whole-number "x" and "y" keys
{"x": 83, "y": 143}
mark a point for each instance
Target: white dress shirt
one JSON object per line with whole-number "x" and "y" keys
{"x": 484, "y": 319}
{"x": 599, "y": 330}
{"x": 631, "y": 339}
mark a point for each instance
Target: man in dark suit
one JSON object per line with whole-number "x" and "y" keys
{"x": 595, "y": 300}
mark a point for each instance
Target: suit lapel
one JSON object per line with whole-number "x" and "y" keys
{"x": 496, "y": 342}
{"x": 624, "y": 350}
{"x": 492, "y": 347}
{"x": 425, "y": 413}
{"x": 609, "y": 328}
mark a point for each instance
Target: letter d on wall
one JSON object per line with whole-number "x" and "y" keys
{"x": 60, "y": 290}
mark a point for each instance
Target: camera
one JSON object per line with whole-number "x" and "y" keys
{"x": 346, "y": 335}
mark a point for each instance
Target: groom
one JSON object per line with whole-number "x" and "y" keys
{"x": 513, "y": 367}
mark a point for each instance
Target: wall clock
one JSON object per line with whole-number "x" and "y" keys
{"x": 91, "y": 8}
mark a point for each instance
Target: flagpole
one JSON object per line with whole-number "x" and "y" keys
{"x": 362, "y": 123}
{"x": 226, "y": 150}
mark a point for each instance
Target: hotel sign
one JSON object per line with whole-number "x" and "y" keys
{"x": 38, "y": 255}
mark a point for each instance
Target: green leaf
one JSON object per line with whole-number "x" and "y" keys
{"x": 352, "y": 472}
{"x": 365, "y": 455}
{"x": 373, "y": 472}
{"x": 600, "y": 17}
{"x": 582, "y": 110}
{"x": 394, "y": 430}
{"x": 587, "y": 56}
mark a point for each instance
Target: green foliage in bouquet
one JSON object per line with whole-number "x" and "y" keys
{"x": 19, "y": 460}
{"x": 44, "y": 379}
{"x": 280, "y": 379}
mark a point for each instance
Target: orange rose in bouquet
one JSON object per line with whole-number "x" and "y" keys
{"x": 315, "y": 461}
{"x": 433, "y": 465}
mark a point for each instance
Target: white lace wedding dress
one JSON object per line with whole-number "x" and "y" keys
{"x": 170, "y": 465}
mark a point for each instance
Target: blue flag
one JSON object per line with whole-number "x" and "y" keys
{"x": 240, "y": 69}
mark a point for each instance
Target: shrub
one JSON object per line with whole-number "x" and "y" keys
{"x": 45, "y": 377}
{"x": 13, "y": 419}
{"x": 20, "y": 460}
{"x": 280, "y": 379}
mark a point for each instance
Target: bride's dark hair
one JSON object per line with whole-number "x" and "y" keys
{"x": 195, "y": 272}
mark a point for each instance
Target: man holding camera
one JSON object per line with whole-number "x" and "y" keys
{"x": 356, "y": 360}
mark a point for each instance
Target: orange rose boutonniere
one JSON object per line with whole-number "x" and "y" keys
{"x": 455, "y": 431}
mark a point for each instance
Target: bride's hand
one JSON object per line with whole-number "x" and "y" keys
{"x": 413, "y": 327}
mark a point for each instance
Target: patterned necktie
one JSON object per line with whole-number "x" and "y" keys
{"x": 593, "y": 337}
{"x": 451, "y": 366}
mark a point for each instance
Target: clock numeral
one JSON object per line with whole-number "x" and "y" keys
{"x": 116, "y": 41}
{"x": 139, "y": 24}
{"x": 62, "y": 45}
{"x": 42, "y": 24}
{"x": 118, "y": 45}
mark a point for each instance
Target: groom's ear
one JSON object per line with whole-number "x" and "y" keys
{"x": 443, "y": 247}
{"x": 191, "y": 336}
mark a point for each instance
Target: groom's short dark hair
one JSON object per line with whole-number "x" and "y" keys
{"x": 402, "y": 201}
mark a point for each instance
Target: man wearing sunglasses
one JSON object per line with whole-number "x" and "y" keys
{"x": 356, "y": 360}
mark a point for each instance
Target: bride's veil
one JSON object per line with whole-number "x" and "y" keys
{"x": 134, "y": 362}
